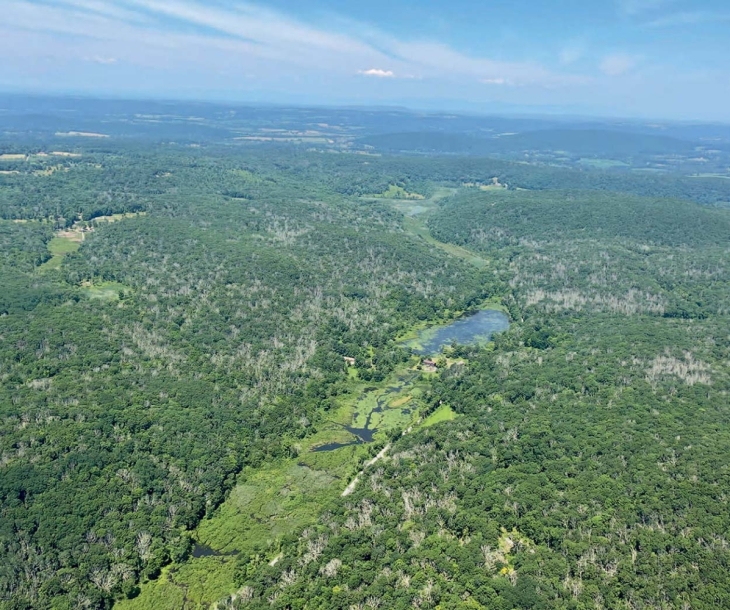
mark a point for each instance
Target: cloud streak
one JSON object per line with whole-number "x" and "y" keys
{"x": 377, "y": 73}
{"x": 162, "y": 33}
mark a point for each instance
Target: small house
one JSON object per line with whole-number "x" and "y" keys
{"x": 349, "y": 361}
{"x": 429, "y": 365}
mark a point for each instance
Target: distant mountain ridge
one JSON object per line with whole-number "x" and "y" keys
{"x": 575, "y": 141}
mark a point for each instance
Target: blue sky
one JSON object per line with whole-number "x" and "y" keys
{"x": 644, "y": 58}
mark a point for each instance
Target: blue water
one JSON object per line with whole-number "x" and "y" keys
{"x": 333, "y": 446}
{"x": 475, "y": 329}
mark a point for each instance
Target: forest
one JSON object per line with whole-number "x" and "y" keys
{"x": 188, "y": 328}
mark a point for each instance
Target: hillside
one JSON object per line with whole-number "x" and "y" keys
{"x": 216, "y": 390}
{"x": 584, "y": 468}
{"x": 578, "y": 142}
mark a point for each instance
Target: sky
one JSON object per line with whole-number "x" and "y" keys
{"x": 664, "y": 59}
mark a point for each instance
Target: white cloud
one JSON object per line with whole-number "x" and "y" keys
{"x": 106, "y": 61}
{"x": 617, "y": 64}
{"x": 377, "y": 72}
{"x": 494, "y": 81}
{"x": 241, "y": 37}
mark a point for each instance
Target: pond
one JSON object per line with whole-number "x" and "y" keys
{"x": 475, "y": 329}
{"x": 376, "y": 409}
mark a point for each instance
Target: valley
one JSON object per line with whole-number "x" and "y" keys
{"x": 332, "y": 370}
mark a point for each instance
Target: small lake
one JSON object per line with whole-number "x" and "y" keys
{"x": 475, "y": 329}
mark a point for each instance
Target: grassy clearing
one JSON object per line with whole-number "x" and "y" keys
{"x": 59, "y": 247}
{"x": 442, "y": 414}
{"x": 51, "y": 264}
{"x": 189, "y": 585}
{"x": 106, "y": 291}
{"x": 12, "y": 157}
{"x": 267, "y": 503}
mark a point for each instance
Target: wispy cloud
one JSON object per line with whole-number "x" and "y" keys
{"x": 105, "y": 61}
{"x": 164, "y": 33}
{"x": 689, "y": 18}
{"x": 377, "y": 72}
{"x": 617, "y": 64}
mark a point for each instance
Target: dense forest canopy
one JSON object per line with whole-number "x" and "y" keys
{"x": 186, "y": 319}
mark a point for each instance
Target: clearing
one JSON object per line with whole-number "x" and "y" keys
{"x": 64, "y": 243}
{"x": 105, "y": 291}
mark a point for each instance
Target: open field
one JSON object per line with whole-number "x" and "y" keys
{"x": 442, "y": 414}
{"x": 60, "y": 246}
{"x": 106, "y": 291}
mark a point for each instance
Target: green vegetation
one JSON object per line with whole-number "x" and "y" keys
{"x": 213, "y": 342}
{"x": 59, "y": 247}
{"x": 443, "y": 414}
{"x": 589, "y": 439}
{"x": 106, "y": 291}
{"x": 168, "y": 379}
{"x": 396, "y": 191}
{"x": 602, "y": 163}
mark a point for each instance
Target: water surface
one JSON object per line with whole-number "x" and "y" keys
{"x": 475, "y": 329}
